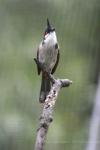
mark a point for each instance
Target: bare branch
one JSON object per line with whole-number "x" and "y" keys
{"x": 46, "y": 117}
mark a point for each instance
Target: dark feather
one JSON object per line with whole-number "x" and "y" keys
{"x": 56, "y": 64}
{"x": 45, "y": 88}
{"x": 38, "y": 68}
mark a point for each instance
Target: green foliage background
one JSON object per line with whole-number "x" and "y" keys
{"x": 22, "y": 24}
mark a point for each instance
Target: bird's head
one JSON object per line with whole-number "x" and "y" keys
{"x": 49, "y": 28}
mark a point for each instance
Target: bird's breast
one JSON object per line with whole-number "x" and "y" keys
{"x": 48, "y": 55}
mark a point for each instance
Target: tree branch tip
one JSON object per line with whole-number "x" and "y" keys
{"x": 65, "y": 82}
{"x": 71, "y": 81}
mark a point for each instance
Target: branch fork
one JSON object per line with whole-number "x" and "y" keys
{"x": 48, "y": 107}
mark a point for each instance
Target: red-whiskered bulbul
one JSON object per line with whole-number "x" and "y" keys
{"x": 48, "y": 55}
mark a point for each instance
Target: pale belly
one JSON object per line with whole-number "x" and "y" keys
{"x": 48, "y": 58}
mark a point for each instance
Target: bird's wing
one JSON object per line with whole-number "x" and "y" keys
{"x": 38, "y": 68}
{"x": 56, "y": 64}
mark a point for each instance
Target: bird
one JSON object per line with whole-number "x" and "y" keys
{"x": 48, "y": 55}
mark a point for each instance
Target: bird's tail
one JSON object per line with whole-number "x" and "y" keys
{"x": 45, "y": 87}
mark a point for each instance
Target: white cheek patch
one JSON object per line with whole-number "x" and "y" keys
{"x": 50, "y": 39}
